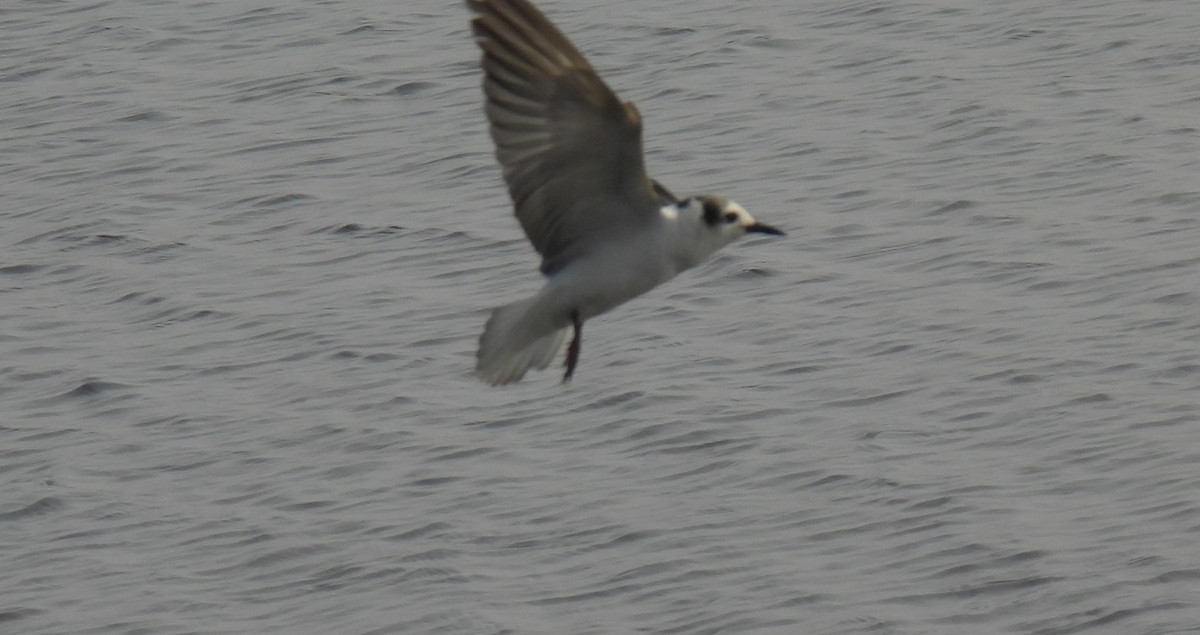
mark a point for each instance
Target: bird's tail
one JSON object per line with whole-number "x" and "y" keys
{"x": 515, "y": 340}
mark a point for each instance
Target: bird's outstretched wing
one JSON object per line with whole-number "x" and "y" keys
{"x": 571, "y": 151}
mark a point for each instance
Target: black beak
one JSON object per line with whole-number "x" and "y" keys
{"x": 764, "y": 229}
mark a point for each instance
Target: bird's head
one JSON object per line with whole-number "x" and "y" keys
{"x": 724, "y": 220}
{"x": 707, "y": 224}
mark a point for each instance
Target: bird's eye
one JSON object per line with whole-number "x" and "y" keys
{"x": 731, "y": 217}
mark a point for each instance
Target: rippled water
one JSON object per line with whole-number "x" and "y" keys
{"x": 247, "y": 249}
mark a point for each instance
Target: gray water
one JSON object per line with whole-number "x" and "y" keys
{"x": 247, "y": 249}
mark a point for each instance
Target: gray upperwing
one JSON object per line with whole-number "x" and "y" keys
{"x": 570, "y": 150}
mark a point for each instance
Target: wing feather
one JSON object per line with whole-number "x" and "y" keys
{"x": 570, "y": 150}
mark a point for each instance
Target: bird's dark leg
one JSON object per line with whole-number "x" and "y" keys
{"x": 573, "y": 348}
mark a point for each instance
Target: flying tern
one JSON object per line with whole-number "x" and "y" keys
{"x": 571, "y": 154}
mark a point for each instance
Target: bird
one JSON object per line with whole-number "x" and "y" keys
{"x": 571, "y": 155}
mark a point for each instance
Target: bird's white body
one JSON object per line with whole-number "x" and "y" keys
{"x": 529, "y": 333}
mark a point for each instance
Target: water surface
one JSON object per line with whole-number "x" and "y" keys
{"x": 247, "y": 250}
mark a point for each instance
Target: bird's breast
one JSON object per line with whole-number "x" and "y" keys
{"x": 612, "y": 275}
